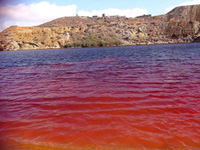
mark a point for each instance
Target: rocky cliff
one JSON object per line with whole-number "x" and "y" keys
{"x": 182, "y": 24}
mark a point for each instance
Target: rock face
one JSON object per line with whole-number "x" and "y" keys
{"x": 182, "y": 24}
{"x": 185, "y": 13}
{"x": 15, "y": 37}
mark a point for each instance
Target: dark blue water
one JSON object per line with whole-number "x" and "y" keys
{"x": 175, "y": 52}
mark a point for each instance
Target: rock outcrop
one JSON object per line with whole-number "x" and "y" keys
{"x": 182, "y": 24}
{"x": 185, "y": 13}
{"x": 15, "y": 37}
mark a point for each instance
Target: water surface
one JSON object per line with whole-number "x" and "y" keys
{"x": 134, "y": 97}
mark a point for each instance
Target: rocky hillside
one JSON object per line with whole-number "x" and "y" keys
{"x": 182, "y": 24}
{"x": 185, "y": 13}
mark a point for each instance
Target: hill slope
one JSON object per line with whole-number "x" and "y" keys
{"x": 182, "y": 24}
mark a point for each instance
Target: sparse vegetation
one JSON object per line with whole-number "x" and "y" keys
{"x": 96, "y": 40}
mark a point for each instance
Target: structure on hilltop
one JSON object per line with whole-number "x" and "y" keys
{"x": 144, "y": 16}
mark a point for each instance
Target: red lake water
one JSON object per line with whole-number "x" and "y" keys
{"x": 119, "y": 98}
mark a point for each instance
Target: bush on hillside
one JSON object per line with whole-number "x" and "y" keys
{"x": 95, "y": 40}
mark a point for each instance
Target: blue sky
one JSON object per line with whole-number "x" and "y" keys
{"x": 153, "y": 6}
{"x": 34, "y": 12}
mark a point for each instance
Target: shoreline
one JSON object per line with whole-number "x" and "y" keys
{"x": 141, "y": 44}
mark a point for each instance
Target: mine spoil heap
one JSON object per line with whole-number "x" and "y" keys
{"x": 180, "y": 25}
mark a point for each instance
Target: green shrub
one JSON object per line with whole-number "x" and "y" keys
{"x": 68, "y": 45}
{"x": 93, "y": 40}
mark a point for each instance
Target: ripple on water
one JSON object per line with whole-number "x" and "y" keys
{"x": 128, "y": 101}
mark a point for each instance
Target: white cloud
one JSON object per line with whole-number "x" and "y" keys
{"x": 38, "y": 13}
{"x": 113, "y": 11}
{"x": 34, "y": 14}
{"x": 194, "y": 2}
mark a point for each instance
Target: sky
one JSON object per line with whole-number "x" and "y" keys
{"x": 35, "y": 12}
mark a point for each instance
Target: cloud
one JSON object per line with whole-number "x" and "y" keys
{"x": 113, "y": 11}
{"x": 38, "y": 13}
{"x": 194, "y": 2}
{"x": 33, "y": 14}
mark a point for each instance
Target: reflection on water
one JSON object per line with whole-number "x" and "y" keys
{"x": 142, "y": 97}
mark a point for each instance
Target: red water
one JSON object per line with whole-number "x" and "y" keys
{"x": 100, "y": 104}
